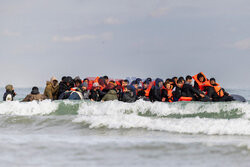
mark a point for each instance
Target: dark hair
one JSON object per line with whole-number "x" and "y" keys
{"x": 85, "y": 79}
{"x": 63, "y": 78}
{"x": 213, "y": 79}
{"x": 200, "y": 75}
{"x": 126, "y": 81}
{"x": 149, "y": 79}
{"x": 105, "y": 77}
{"x": 181, "y": 78}
{"x": 188, "y": 77}
{"x": 168, "y": 80}
{"x": 78, "y": 80}
{"x": 174, "y": 78}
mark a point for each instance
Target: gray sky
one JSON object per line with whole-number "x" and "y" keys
{"x": 120, "y": 38}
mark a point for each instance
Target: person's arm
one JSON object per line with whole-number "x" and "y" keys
{"x": 196, "y": 86}
{"x": 48, "y": 93}
{"x": 225, "y": 93}
{"x": 27, "y": 99}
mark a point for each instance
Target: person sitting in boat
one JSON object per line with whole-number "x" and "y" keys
{"x": 79, "y": 93}
{"x": 112, "y": 92}
{"x": 51, "y": 90}
{"x": 9, "y": 93}
{"x": 218, "y": 93}
{"x": 65, "y": 87}
{"x": 34, "y": 95}
{"x": 188, "y": 90}
{"x": 95, "y": 93}
{"x": 143, "y": 93}
{"x": 128, "y": 95}
{"x": 155, "y": 92}
{"x": 167, "y": 94}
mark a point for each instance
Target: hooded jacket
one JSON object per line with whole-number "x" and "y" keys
{"x": 111, "y": 95}
{"x": 155, "y": 92}
{"x": 9, "y": 94}
{"x": 34, "y": 95}
{"x": 51, "y": 91}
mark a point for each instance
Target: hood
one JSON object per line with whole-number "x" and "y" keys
{"x": 9, "y": 88}
{"x": 53, "y": 79}
{"x": 157, "y": 81}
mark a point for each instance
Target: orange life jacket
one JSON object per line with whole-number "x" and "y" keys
{"x": 73, "y": 89}
{"x": 201, "y": 85}
{"x": 170, "y": 95}
{"x": 97, "y": 81}
{"x": 185, "y": 99}
{"x": 147, "y": 91}
{"x": 218, "y": 90}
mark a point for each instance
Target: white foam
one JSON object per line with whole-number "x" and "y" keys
{"x": 28, "y": 108}
{"x": 117, "y": 115}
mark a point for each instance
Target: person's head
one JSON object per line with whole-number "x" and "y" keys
{"x": 212, "y": 81}
{"x": 106, "y": 79}
{"x": 168, "y": 85}
{"x": 86, "y": 80}
{"x": 96, "y": 85}
{"x": 125, "y": 83}
{"x": 78, "y": 82}
{"x": 179, "y": 83}
{"x": 201, "y": 77}
{"x": 68, "y": 80}
{"x": 135, "y": 84}
{"x": 54, "y": 81}
{"x": 84, "y": 85}
{"x": 149, "y": 79}
{"x": 160, "y": 84}
{"x": 189, "y": 79}
{"x": 63, "y": 78}
{"x": 35, "y": 90}
{"x": 175, "y": 79}
{"x": 9, "y": 88}
{"x": 145, "y": 84}
{"x": 182, "y": 80}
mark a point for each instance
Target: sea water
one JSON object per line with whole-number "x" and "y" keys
{"x": 85, "y": 133}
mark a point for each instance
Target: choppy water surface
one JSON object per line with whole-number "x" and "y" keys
{"x": 78, "y": 133}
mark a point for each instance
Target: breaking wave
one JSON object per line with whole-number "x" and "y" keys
{"x": 231, "y": 118}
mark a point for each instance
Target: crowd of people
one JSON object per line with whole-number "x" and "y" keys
{"x": 105, "y": 89}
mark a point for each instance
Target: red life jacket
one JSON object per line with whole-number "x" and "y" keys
{"x": 201, "y": 85}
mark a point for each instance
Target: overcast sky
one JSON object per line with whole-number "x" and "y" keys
{"x": 120, "y": 38}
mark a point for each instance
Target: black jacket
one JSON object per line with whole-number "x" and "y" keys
{"x": 63, "y": 88}
{"x": 128, "y": 97}
{"x": 96, "y": 95}
{"x": 189, "y": 91}
{"x": 155, "y": 94}
{"x": 10, "y": 93}
{"x": 177, "y": 93}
